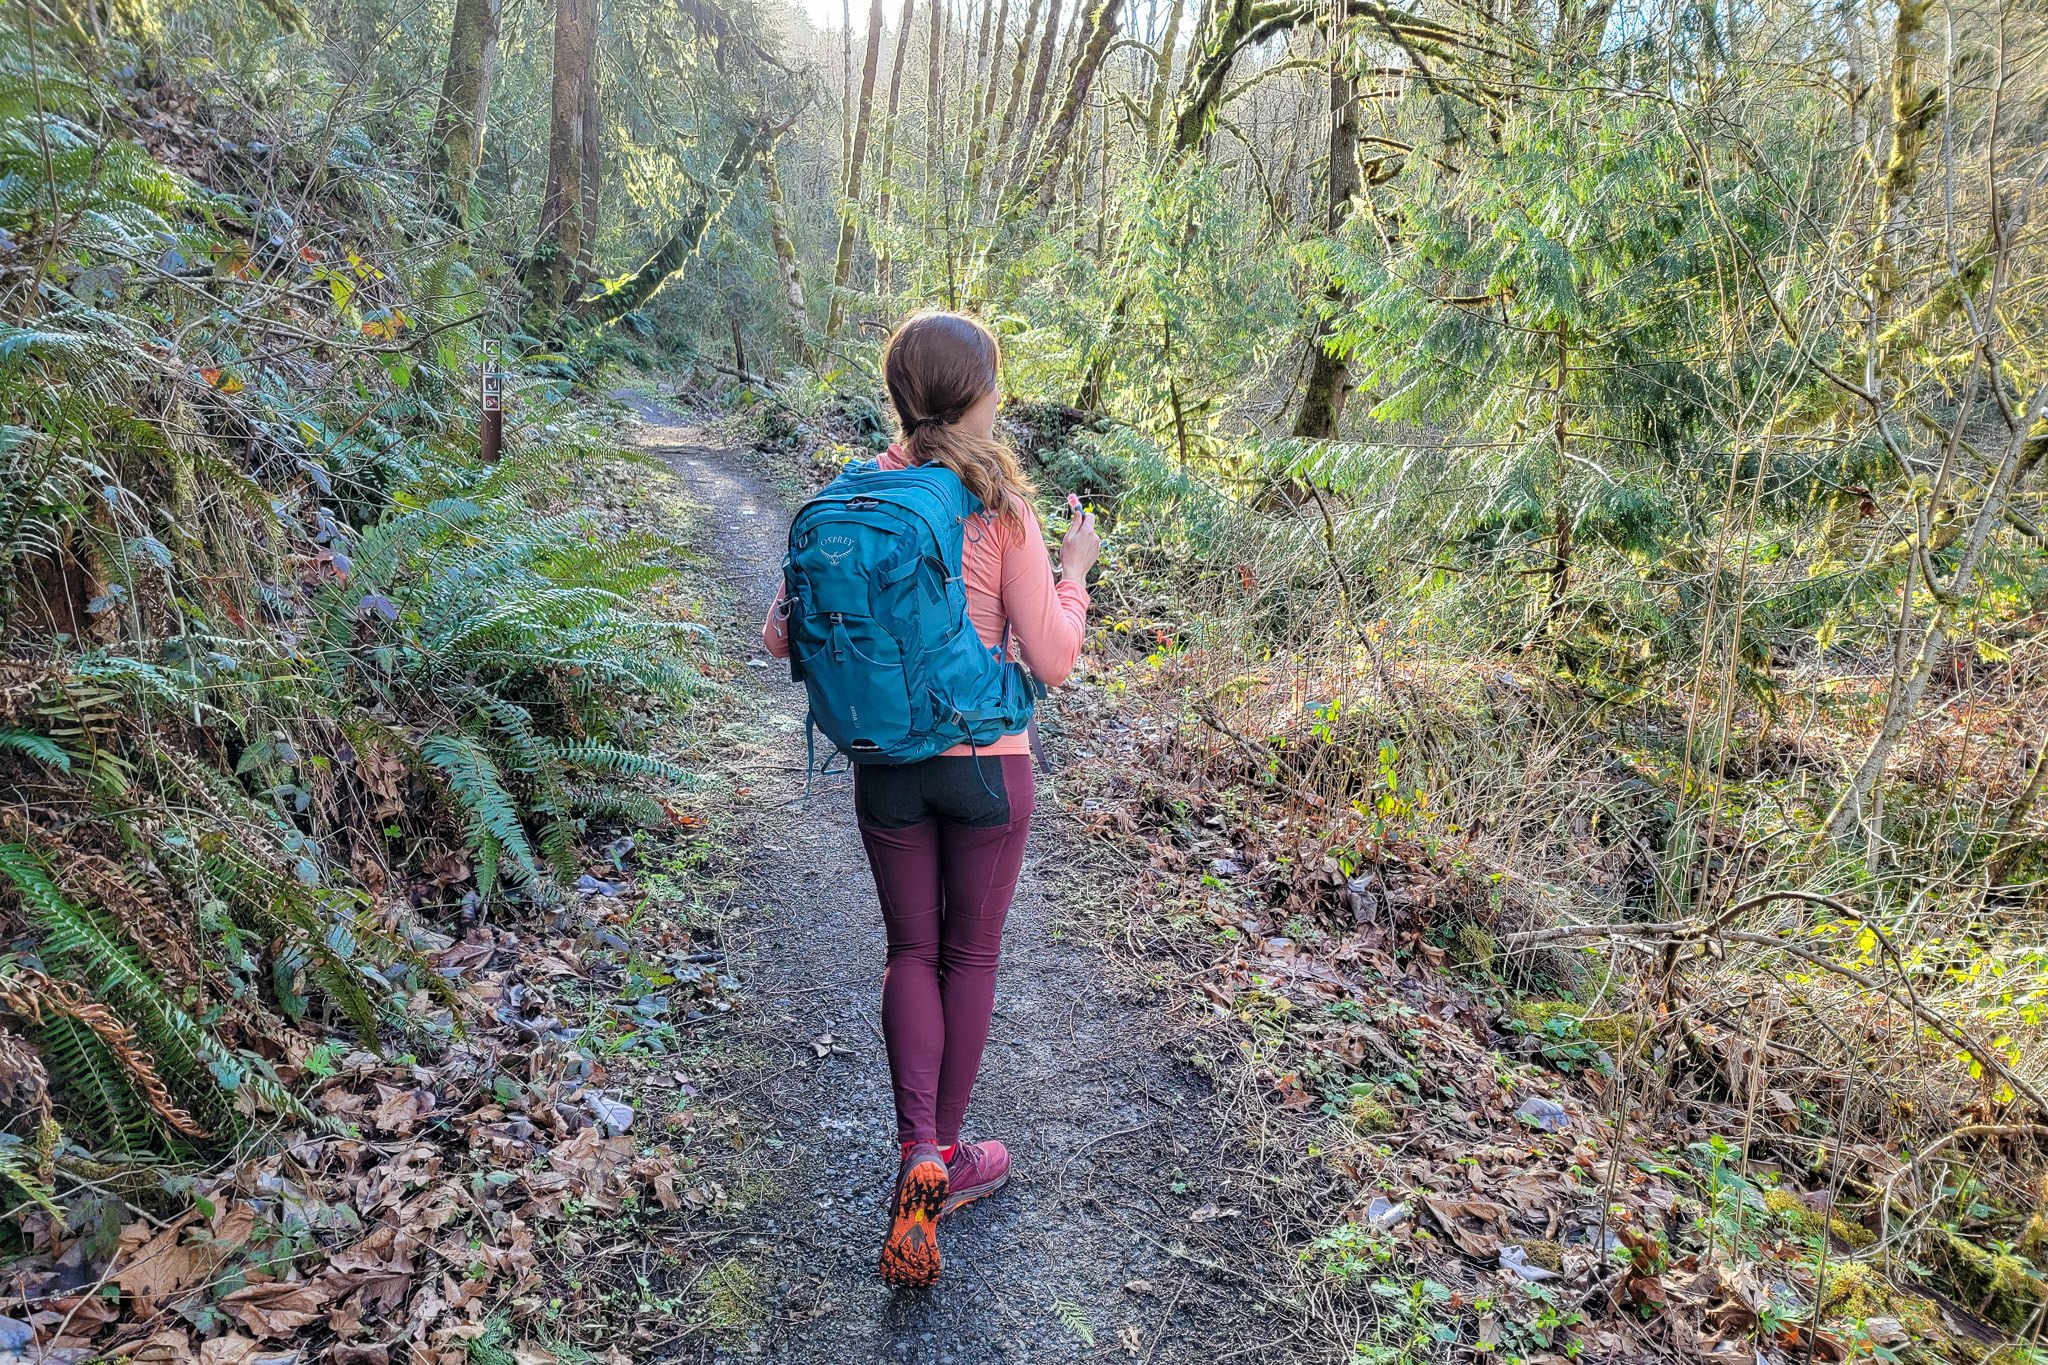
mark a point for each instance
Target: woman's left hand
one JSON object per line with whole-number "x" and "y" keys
{"x": 1081, "y": 548}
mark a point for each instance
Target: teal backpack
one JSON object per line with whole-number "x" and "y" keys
{"x": 878, "y": 628}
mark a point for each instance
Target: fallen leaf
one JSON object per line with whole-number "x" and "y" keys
{"x": 231, "y": 1349}
{"x": 172, "y": 1346}
{"x": 278, "y": 1309}
{"x": 158, "y": 1264}
{"x": 1457, "y": 1218}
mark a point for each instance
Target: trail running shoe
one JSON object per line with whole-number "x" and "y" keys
{"x": 910, "y": 1258}
{"x": 977, "y": 1169}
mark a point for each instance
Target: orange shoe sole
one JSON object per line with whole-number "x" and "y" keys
{"x": 910, "y": 1258}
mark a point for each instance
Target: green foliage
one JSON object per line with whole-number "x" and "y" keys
{"x": 39, "y": 747}
{"x": 286, "y": 637}
{"x": 1075, "y": 1318}
{"x": 18, "y": 1171}
{"x": 1187, "y": 312}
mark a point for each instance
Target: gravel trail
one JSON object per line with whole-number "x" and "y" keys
{"x": 1116, "y": 1238}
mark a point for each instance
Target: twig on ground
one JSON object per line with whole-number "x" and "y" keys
{"x": 1262, "y": 757}
{"x": 1183, "y": 1254}
{"x": 1097, "y": 1141}
{"x": 1165, "y": 1320}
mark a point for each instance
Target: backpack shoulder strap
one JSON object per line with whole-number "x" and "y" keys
{"x": 965, "y": 504}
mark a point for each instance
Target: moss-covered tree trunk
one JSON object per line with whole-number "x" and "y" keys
{"x": 785, "y": 255}
{"x": 845, "y": 85}
{"x": 1044, "y": 179}
{"x": 1235, "y": 26}
{"x": 1034, "y": 104}
{"x": 1162, "y": 79}
{"x": 1231, "y": 27}
{"x": 673, "y": 254}
{"x": 990, "y": 137}
{"x": 1329, "y": 374}
{"x": 1913, "y": 108}
{"x": 457, "y": 145}
{"x": 551, "y": 269}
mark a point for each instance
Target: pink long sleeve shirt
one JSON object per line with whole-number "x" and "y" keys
{"x": 1010, "y": 588}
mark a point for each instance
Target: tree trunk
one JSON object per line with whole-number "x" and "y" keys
{"x": 1044, "y": 179}
{"x": 551, "y": 268}
{"x": 883, "y": 165}
{"x": 981, "y": 72}
{"x": 1559, "y": 578}
{"x": 1102, "y": 184}
{"x": 1034, "y": 107}
{"x": 673, "y": 255}
{"x": 1329, "y": 376}
{"x": 458, "y": 137}
{"x": 1162, "y": 78}
{"x": 963, "y": 69}
{"x": 1232, "y": 26}
{"x": 590, "y": 164}
{"x": 1017, "y": 70}
{"x": 1235, "y": 25}
{"x": 1913, "y": 108}
{"x": 978, "y": 140}
{"x": 934, "y": 98}
{"x": 845, "y": 85}
{"x": 885, "y": 168}
{"x": 785, "y": 255}
{"x": 849, "y": 208}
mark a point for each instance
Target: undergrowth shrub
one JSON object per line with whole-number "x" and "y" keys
{"x": 285, "y": 672}
{"x": 1326, "y": 650}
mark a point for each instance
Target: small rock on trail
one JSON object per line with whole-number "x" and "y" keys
{"x": 1093, "y": 1251}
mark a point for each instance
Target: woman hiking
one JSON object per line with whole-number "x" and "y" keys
{"x": 913, "y": 587}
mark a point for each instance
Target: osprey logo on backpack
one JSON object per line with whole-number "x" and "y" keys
{"x": 878, "y": 628}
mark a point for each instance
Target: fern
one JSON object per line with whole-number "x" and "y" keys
{"x": 18, "y": 1170}
{"x": 101, "y": 955}
{"x": 615, "y": 803}
{"x": 297, "y": 557}
{"x": 95, "y": 1088}
{"x": 478, "y": 787}
{"x": 39, "y": 747}
{"x": 1076, "y": 1320}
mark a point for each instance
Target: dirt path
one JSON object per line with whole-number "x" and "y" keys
{"x": 1097, "y": 1249}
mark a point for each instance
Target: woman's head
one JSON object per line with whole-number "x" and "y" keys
{"x": 940, "y": 369}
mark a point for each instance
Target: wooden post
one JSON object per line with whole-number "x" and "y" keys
{"x": 491, "y": 434}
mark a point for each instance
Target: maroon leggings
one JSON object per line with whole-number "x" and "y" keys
{"x": 945, "y": 839}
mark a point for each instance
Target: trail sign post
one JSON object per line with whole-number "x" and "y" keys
{"x": 491, "y": 436}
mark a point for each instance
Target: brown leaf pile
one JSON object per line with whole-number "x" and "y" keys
{"x": 440, "y": 1193}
